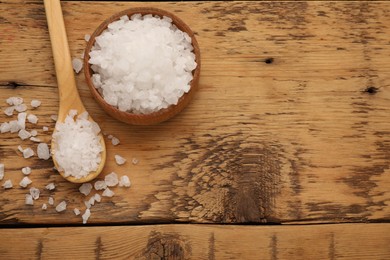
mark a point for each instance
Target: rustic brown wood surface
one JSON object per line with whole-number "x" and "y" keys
{"x": 344, "y": 241}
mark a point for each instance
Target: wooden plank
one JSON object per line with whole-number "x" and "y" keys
{"x": 291, "y": 122}
{"x": 346, "y": 241}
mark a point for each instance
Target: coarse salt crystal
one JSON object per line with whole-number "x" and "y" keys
{"x": 76, "y": 211}
{"x": 108, "y": 193}
{"x": 50, "y": 186}
{"x": 33, "y": 119}
{"x": 21, "y": 108}
{"x": 78, "y": 148}
{"x": 97, "y": 197}
{"x": 9, "y": 111}
{"x": 100, "y": 185}
{"x": 86, "y": 216}
{"x": 14, "y": 126}
{"x": 25, "y": 182}
{"x": 87, "y": 37}
{"x": 7, "y": 184}
{"x": 26, "y": 170}
{"x": 20, "y": 148}
{"x": 50, "y": 201}
{"x": 23, "y": 134}
{"x": 33, "y": 132}
{"x": 54, "y": 118}
{"x": 28, "y": 152}
{"x": 44, "y": 206}
{"x": 34, "y": 139}
{"x": 43, "y": 151}
{"x": 85, "y": 188}
{"x": 34, "y": 193}
{"x": 1, "y": 171}
{"x": 45, "y": 129}
{"x": 61, "y": 206}
{"x": 119, "y": 159}
{"x": 14, "y": 101}
{"x": 115, "y": 141}
{"x": 29, "y": 199}
{"x": 4, "y": 127}
{"x": 135, "y": 161}
{"x": 124, "y": 181}
{"x": 91, "y": 201}
{"x": 35, "y": 103}
{"x": 111, "y": 179}
{"x": 77, "y": 65}
{"x": 22, "y": 120}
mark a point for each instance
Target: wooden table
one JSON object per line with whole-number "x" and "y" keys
{"x": 283, "y": 154}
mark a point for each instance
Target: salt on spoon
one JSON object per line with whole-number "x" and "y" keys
{"x": 68, "y": 94}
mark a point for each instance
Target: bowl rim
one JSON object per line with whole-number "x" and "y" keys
{"x": 162, "y": 114}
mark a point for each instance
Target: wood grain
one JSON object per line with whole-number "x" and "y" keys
{"x": 345, "y": 241}
{"x": 290, "y": 124}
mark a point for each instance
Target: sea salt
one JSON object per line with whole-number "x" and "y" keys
{"x": 100, "y": 185}
{"x": 61, "y": 207}
{"x": 43, "y": 151}
{"x": 7, "y": 184}
{"x": 34, "y": 193}
{"x": 34, "y": 139}
{"x": 29, "y": 199}
{"x": 76, "y": 211}
{"x": 28, "y": 152}
{"x": 14, "y": 126}
{"x": 50, "y": 201}
{"x": 33, "y": 119}
{"x": 9, "y": 111}
{"x": 111, "y": 179}
{"x": 22, "y": 120}
{"x": 124, "y": 181}
{"x": 143, "y": 64}
{"x": 85, "y": 188}
{"x": 23, "y": 134}
{"x": 44, "y": 206}
{"x": 33, "y": 132}
{"x": 115, "y": 141}
{"x": 50, "y": 186}
{"x": 14, "y": 101}
{"x": 119, "y": 159}
{"x": 108, "y": 193}
{"x": 77, "y": 65}
{"x": 45, "y": 129}
{"x": 1, "y": 171}
{"x": 87, "y": 37}
{"x": 26, "y": 170}
{"x": 97, "y": 197}
{"x": 78, "y": 148}
{"x": 135, "y": 161}
{"x": 86, "y": 216}
{"x": 25, "y": 182}
{"x": 35, "y": 103}
{"x": 21, "y": 108}
{"x": 54, "y": 118}
{"x": 4, "y": 127}
{"x": 91, "y": 201}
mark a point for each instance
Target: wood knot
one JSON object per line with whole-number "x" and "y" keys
{"x": 269, "y": 60}
{"x": 371, "y": 90}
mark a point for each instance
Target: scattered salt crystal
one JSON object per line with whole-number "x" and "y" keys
{"x": 7, "y": 184}
{"x": 51, "y": 201}
{"x": 110, "y": 136}
{"x": 78, "y": 148}
{"x": 33, "y": 132}
{"x": 20, "y": 148}
{"x": 135, "y": 161}
{"x": 76, "y": 211}
{"x": 82, "y": 55}
{"x": 29, "y": 199}
{"x": 33, "y": 119}
{"x": 85, "y": 188}
{"x": 138, "y": 74}
{"x": 44, "y": 206}
{"x": 34, "y": 139}
{"x": 28, "y": 152}
{"x": 86, "y": 216}
{"x": 100, "y": 185}
{"x": 50, "y": 186}
{"x": 43, "y": 151}
{"x": 77, "y": 65}
{"x": 1, "y": 171}
{"x": 115, "y": 141}
{"x": 9, "y": 111}
{"x": 22, "y": 120}
{"x": 87, "y": 205}
{"x": 25, "y": 182}
{"x": 4, "y": 127}
{"x": 108, "y": 193}
{"x": 87, "y": 37}
{"x": 124, "y": 181}
{"x": 23, "y": 134}
{"x": 35, "y": 103}
{"x": 21, "y": 108}
{"x": 91, "y": 201}
{"x": 14, "y": 126}
{"x": 26, "y": 170}
{"x": 97, "y": 197}
{"x": 119, "y": 159}
{"x": 54, "y": 118}
{"x": 111, "y": 179}
{"x": 61, "y": 207}
{"x": 45, "y": 129}
{"x": 34, "y": 193}
{"x": 14, "y": 101}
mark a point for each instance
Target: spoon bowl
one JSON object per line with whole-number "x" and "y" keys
{"x": 68, "y": 94}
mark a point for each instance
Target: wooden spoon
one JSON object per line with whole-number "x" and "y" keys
{"x": 69, "y": 97}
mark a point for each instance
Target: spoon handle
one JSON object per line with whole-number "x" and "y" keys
{"x": 69, "y": 97}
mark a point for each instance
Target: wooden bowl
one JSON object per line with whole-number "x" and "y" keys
{"x": 163, "y": 114}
